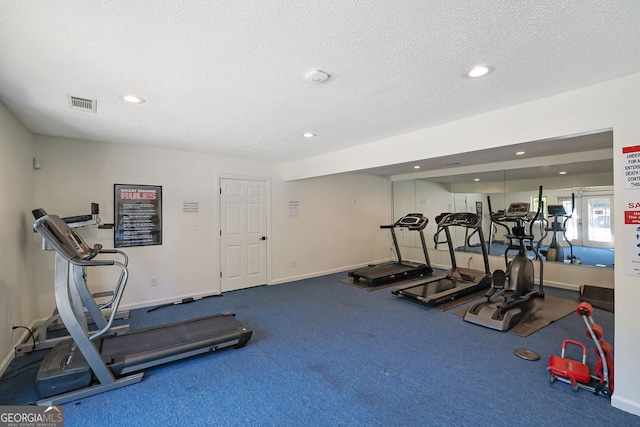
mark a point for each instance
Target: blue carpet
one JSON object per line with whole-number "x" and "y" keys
{"x": 327, "y": 354}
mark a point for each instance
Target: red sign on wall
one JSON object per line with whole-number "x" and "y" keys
{"x": 632, "y": 217}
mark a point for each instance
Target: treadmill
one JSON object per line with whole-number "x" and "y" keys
{"x": 456, "y": 282}
{"x": 381, "y": 274}
{"x": 51, "y": 332}
{"x": 94, "y": 362}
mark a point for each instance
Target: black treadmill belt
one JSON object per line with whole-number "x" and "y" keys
{"x": 382, "y": 270}
{"x": 430, "y": 288}
{"x": 171, "y": 338}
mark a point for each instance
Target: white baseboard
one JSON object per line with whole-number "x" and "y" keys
{"x": 626, "y": 405}
{"x": 176, "y": 299}
{"x": 306, "y": 276}
{"x": 568, "y": 286}
{"x": 324, "y": 273}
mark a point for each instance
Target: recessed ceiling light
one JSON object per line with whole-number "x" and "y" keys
{"x": 308, "y": 135}
{"x": 562, "y": 173}
{"x": 132, "y": 99}
{"x": 416, "y": 167}
{"x": 519, "y": 153}
{"x": 477, "y": 179}
{"x": 479, "y": 71}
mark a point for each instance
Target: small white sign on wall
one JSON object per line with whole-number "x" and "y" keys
{"x": 294, "y": 208}
{"x": 190, "y": 207}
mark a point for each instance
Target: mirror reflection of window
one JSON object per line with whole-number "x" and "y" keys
{"x": 599, "y": 220}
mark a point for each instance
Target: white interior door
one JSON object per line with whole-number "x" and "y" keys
{"x": 243, "y": 233}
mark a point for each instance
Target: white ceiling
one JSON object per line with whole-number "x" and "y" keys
{"x": 227, "y": 77}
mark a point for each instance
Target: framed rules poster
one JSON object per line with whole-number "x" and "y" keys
{"x": 138, "y": 215}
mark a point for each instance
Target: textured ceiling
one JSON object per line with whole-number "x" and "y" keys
{"x": 227, "y": 77}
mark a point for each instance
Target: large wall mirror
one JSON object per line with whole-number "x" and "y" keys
{"x": 574, "y": 171}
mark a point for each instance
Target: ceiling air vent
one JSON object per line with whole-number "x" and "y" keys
{"x": 83, "y": 104}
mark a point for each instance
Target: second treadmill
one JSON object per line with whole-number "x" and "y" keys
{"x": 456, "y": 282}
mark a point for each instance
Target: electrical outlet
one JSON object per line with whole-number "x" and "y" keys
{"x": 294, "y": 263}
{"x": 154, "y": 281}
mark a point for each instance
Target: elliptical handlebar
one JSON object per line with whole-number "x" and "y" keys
{"x": 570, "y": 215}
{"x": 538, "y": 211}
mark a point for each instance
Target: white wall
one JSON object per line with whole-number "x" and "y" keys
{"x": 336, "y": 228}
{"x": 16, "y": 260}
{"x": 76, "y": 173}
{"x": 609, "y": 105}
{"x": 427, "y": 198}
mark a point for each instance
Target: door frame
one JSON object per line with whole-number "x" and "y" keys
{"x": 580, "y": 218}
{"x": 584, "y": 210}
{"x": 218, "y": 258}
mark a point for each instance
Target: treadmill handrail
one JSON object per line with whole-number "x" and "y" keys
{"x": 115, "y": 301}
{"x": 109, "y": 303}
{"x": 466, "y": 220}
{"x": 474, "y": 245}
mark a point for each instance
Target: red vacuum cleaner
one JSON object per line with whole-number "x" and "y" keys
{"x": 577, "y": 373}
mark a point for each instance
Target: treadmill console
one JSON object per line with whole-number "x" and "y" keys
{"x": 517, "y": 210}
{"x": 64, "y": 240}
{"x": 556, "y": 210}
{"x": 412, "y": 221}
{"x": 461, "y": 219}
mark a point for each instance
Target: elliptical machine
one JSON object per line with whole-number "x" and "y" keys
{"x": 555, "y": 250}
{"x": 502, "y": 308}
